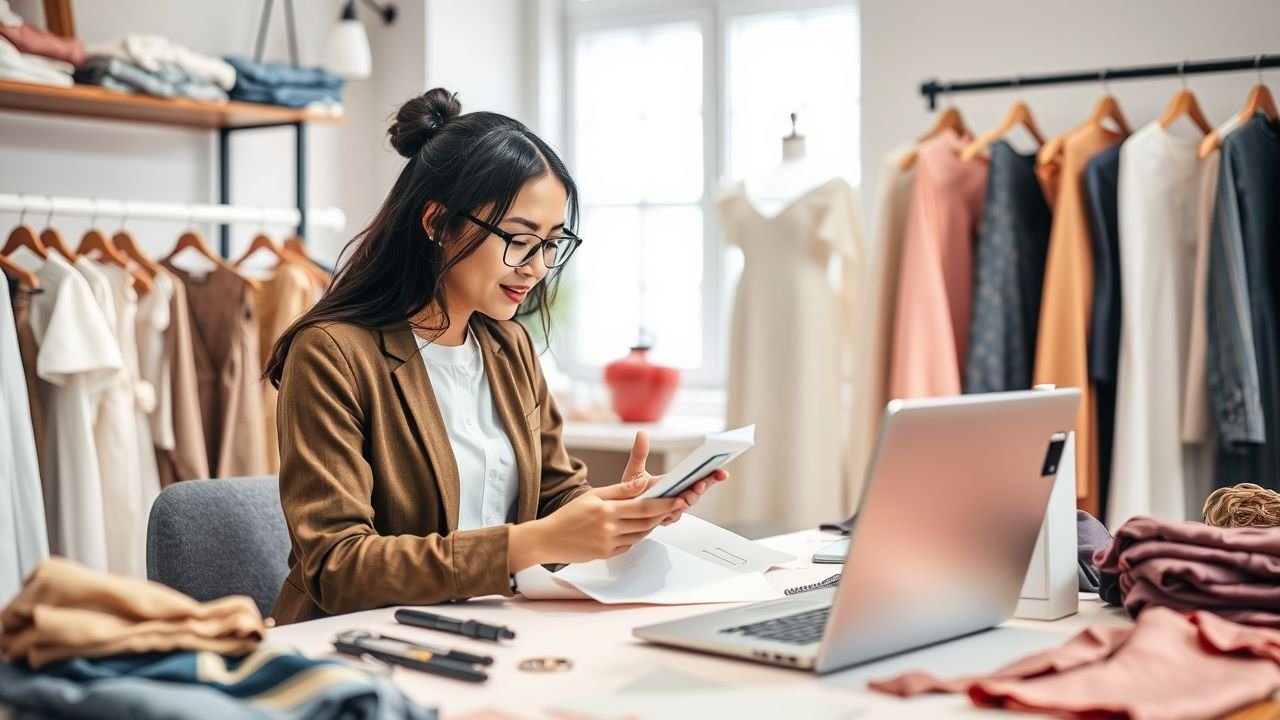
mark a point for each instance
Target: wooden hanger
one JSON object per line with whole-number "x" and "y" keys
{"x": 193, "y": 240}
{"x": 260, "y": 242}
{"x": 52, "y": 240}
{"x": 23, "y": 236}
{"x": 1184, "y": 103}
{"x": 948, "y": 119}
{"x": 1259, "y": 100}
{"x": 297, "y": 247}
{"x": 94, "y": 243}
{"x": 124, "y": 242}
{"x": 1019, "y": 114}
{"x": 1106, "y": 107}
{"x": 19, "y": 273}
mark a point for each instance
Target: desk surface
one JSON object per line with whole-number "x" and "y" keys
{"x": 606, "y": 658}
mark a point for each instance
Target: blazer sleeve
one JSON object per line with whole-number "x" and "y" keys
{"x": 326, "y": 488}
{"x": 564, "y": 477}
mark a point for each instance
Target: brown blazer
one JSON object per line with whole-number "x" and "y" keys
{"x": 368, "y": 480}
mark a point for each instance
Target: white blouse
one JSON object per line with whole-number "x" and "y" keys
{"x": 486, "y": 461}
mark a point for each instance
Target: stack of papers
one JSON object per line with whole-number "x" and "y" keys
{"x": 690, "y": 562}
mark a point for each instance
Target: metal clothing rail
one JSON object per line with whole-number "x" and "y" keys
{"x": 931, "y": 89}
{"x": 329, "y": 218}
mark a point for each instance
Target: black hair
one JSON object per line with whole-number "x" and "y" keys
{"x": 462, "y": 162}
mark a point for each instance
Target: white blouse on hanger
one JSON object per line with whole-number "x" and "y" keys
{"x": 1159, "y": 206}
{"x": 129, "y": 481}
{"x": 76, "y": 359}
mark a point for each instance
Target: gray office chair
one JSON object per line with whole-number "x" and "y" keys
{"x": 213, "y": 538}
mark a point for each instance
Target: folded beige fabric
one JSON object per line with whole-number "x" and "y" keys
{"x": 66, "y": 610}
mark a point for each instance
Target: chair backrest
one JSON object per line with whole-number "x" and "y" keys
{"x": 213, "y": 538}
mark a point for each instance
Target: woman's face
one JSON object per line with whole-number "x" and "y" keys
{"x": 482, "y": 282}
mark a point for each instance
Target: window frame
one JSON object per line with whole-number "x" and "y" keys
{"x": 713, "y": 18}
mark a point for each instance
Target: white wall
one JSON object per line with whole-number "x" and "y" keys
{"x": 907, "y": 41}
{"x": 476, "y": 48}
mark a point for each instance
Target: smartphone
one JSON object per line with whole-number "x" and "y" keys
{"x": 703, "y": 470}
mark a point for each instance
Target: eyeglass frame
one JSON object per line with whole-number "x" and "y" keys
{"x": 509, "y": 237}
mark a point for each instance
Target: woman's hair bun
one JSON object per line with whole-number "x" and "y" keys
{"x": 420, "y": 118}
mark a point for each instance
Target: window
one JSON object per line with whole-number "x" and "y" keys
{"x": 664, "y": 108}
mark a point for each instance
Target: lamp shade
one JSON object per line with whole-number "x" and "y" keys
{"x": 347, "y": 53}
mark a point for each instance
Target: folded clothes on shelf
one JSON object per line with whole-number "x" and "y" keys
{"x": 154, "y": 52}
{"x": 25, "y": 67}
{"x": 168, "y": 81}
{"x": 283, "y": 84}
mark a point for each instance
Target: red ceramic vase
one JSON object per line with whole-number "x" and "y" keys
{"x": 641, "y": 391}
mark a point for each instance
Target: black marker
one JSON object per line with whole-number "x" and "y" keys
{"x": 468, "y": 628}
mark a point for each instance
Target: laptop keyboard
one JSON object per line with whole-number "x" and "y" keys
{"x": 798, "y": 629}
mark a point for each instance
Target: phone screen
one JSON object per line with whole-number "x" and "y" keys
{"x": 698, "y": 473}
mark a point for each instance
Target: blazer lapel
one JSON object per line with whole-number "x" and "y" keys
{"x": 506, "y": 399}
{"x": 419, "y": 400}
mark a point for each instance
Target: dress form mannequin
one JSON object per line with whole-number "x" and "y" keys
{"x": 795, "y": 176}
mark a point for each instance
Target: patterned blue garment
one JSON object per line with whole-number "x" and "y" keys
{"x": 1008, "y": 272}
{"x": 268, "y": 684}
{"x": 1242, "y": 316}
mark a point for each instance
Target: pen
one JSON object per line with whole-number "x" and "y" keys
{"x": 447, "y": 653}
{"x": 468, "y": 628}
{"x": 417, "y": 660}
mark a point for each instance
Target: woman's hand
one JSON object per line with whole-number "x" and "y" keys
{"x": 606, "y": 521}
{"x": 636, "y": 476}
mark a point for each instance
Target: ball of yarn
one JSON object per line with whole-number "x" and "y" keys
{"x": 1243, "y": 505}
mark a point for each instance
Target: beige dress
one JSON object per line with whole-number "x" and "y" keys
{"x": 279, "y": 300}
{"x": 790, "y": 326}
{"x": 874, "y": 328}
{"x": 185, "y": 458}
{"x": 224, "y": 343}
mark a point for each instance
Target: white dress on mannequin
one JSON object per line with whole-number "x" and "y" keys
{"x": 788, "y": 341}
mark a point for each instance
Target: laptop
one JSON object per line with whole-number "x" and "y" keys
{"x": 955, "y": 497}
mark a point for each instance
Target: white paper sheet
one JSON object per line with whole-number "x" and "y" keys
{"x": 690, "y": 562}
{"x": 718, "y": 546}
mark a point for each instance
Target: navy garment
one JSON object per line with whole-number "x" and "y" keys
{"x": 1244, "y": 259}
{"x": 1101, "y": 176}
{"x": 1008, "y": 275}
{"x": 179, "y": 685}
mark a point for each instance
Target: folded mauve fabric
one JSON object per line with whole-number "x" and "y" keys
{"x": 1234, "y": 572}
{"x": 65, "y": 610}
{"x": 1168, "y": 666}
{"x": 38, "y": 41}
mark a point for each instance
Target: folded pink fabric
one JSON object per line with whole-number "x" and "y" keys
{"x": 38, "y": 41}
{"x": 1234, "y": 572}
{"x": 1168, "y": 666}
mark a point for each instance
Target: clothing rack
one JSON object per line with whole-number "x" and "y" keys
{"x": 330, "y": 218}
{"x": 931, "y": 89}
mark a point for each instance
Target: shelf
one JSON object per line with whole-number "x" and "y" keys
{"x": 88, "y": 101}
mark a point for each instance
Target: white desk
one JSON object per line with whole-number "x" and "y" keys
{"x": 597, "y": 638}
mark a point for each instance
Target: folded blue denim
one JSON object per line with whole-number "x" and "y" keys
{"x": 274, "y": 74}
{"x": 268, "y": 684}
{"x": 170, "y": 81}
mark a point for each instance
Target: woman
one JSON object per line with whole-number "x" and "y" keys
{"x": 421, "y": 457}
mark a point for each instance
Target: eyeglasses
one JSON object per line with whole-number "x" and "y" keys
{"x": 521, "y": 247}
